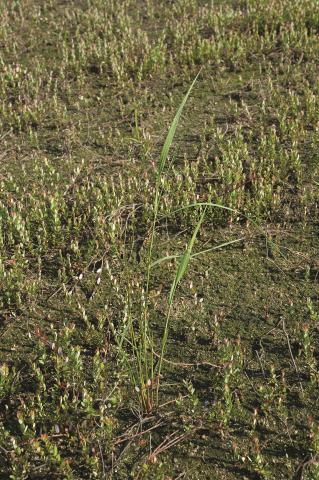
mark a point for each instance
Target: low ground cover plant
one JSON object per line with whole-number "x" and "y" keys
{"x": 159, "y": 240}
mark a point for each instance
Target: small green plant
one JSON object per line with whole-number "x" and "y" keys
{"x": 145, "y": 375}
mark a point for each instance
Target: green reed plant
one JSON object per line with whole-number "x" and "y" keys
{"x": 143, "y": 372}
{"x": 144, "y": 375}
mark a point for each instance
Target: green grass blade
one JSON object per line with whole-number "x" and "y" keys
{"x": 179, "y": 275}
{"x": 185, "y": 259}
{"x": 180, "y": 272}
{"x": 172, "y": 130}
{"x": 160, "y": 169}
{"x": 217, "y": 247}
{"x": 206, "y": 204}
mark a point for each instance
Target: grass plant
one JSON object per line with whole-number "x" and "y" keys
{"x": 159, "y": 291}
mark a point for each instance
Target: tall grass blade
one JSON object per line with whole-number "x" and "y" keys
{"x": 182, "y": 267}
{"x": 141, "y": 348}
{"x": 217, "y": 247}
{"x": 160, "y": 169}
{"x": 180, "y": 272}
{"x": 172, "y": 130}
